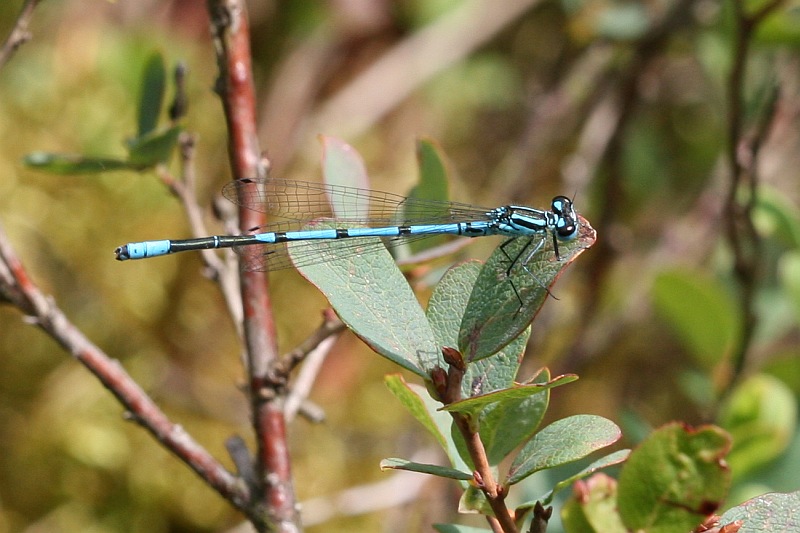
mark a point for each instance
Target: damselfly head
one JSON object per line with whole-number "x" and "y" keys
{"x": 567, "y": 223}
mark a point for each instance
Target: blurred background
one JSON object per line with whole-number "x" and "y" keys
{"x": 675, "y": 314}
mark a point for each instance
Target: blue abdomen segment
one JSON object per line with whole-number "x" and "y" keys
{"x": 141, "y": 250}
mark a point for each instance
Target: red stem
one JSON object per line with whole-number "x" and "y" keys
{"x": 236, "y": 89}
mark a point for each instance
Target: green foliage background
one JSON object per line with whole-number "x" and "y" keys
{"x": 649, "y": 319}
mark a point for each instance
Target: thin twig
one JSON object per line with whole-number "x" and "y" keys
{"x": 742, "y": 156}
{"x": 18, "y": 288}
{"x": 610, "y": 174}
{"x": 226, "y": 273}
{"x": 19, "y": 33}
{"x": 330, "y": 326}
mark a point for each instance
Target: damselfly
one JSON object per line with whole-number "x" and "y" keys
{"x": 339, "y": 212}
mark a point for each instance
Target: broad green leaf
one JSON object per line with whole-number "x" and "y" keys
{"x": 594, "y": 508}
{"x": 426, "y": 410}
{"x": 413, "y": 401}
{"x": 342, "y": 165}
{"x": 433, "y": 185}
{"x": 609, "y": 460}
{"x": 393, "y": 463}
{"x": 371, "y": 296}
{"x": 449, "y": 299}
{"x": 563, "y": 442}
{"x": 502, "y": 306}
{"x": 674, "y": 479}
{"x": 761, "y": 416}
{"x": 771, "y": 512}
{"x": 152, "y": 97}
{"x": 73, "y": 164}
{"x": 507, "y": 424}
{"x": 690, "y": 302}
{"x": 445, "y": 311}
{"x": 153, "y": 148}
{"x": 474, "y": 405}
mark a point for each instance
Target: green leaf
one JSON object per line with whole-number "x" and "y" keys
{"x": 152, "y": 98}
{"x": 776, "y": 216}
{"x": 152, "y": 148}
{"x": 562, "y": 442}
{"x": 426, "y": 410}
{"x": 441, "y": 471}
{"x": 445, "y": 311}
{"x": 789, "y": 272}
{"x": 780, "y": 27}
{"x": 494, "y": 316}
{"x": 593, "y": 508}
{"x": 611, "y": 459}
{"x": 761, "y": 416}
{"x": 342, "y": 165}
{"x": 73, "y": 164}
{"x": 504, "y": 425}
{"x": 674, "y": 479}
{"x": 507, "y": 424}
{"x": 692, "y": 302}
{"x": 473, "y": 500}
{"x": 768, "y": 512}
{"x": 433, "y": 185}
{"x": 474, "y": 405}
{"x": 371, "y": 296}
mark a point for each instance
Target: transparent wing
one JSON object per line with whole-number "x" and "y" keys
{"x": 305, "y": 201}
{"x": 302, "y": 203}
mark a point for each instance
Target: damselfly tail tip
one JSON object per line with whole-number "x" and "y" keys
{"x": 122, "y": 253}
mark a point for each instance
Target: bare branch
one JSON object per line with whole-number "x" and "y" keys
{"x": 19, "y": 34}
{"x": 18, "y": 288}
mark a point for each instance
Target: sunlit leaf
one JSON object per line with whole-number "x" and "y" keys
{"x": 769, "y": 512}
{"x": 593, "y": 508}
{"x": 609, "y": 460}
{"x": 433, "y": 185}
{"x": 426, "y": 411}
{"x": 343, "y": 165}
{"x": 371, "y": 296}
{"x": 74, "y": 164}
{"x": 502, "y": 306}
{"x": 674, "y": 479}
{"x": 440, "y": 471}
{"x": 152, "y": 96}
{"x": 562, "y": 442}
{"x": 153, "y": 148}
{"x": 474, "y": 405}
{"x": 691, "y": 302}
{"x": 761, "y": 416}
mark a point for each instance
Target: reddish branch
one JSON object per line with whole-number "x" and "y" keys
{"x": 448, "y": 389}
{"x": 17, "y": 288}
{"x": 236, "y": 89}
